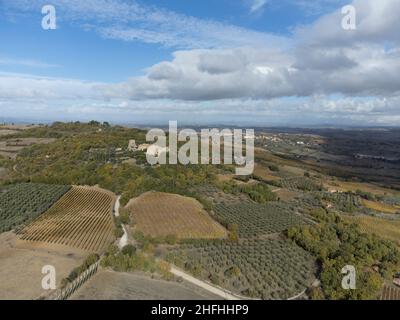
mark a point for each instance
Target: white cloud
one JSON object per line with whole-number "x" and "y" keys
{"x": 279, "y": 111}
{"x": 264, "y": 73}
{"x": 131, "y": 21}
{"x": 238, "y": 75}
{"x": 15, "y": 87}
{"x": 257, "y": 5}
{"x": 377, "y": 22}
{"x": 26, "y": 63}
{"x": 315, "y": 7}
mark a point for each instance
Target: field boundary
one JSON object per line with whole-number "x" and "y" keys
{"x": 65, "y": 293}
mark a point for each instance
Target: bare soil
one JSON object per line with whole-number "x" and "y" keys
{"x": 3, "y": 173}
{"x": 7, "y": 132}
{"x": 9, "y": 148}
{"x": 110, "y": 285}
{"x": 21, "y": 269}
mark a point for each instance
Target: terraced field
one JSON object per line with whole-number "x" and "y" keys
{"x": 159, "y": 214}
{"x": 81, "y": 219}
{"x": 21, "y": 203}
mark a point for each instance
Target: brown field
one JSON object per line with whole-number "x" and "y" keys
{"x": 21, "y": 269}
{"x": 81, "y": 219}
{"x": 18, "y": 127}
{"x": 3, "y": 173}
{"x": 389, "y": 229}
{"x": 110, "y": 285}
{"x": 285, "y": 194}
{"x": 381, "y": 207}
{"x": 366, "y": 187}
{"x": 159, "y": 214}
{"x": 390, "y": 293}
{"x": 10, "y": 148}
{"x": 290, "y": 171}
{"x": 264, "y": 173}
{"x": 7, "y": 132}
{"x": 225, "y": 177}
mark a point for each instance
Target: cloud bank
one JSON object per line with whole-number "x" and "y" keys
{"x": 321, "y": 70}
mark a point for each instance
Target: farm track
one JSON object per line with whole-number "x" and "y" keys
{"x": 82, "y": 219}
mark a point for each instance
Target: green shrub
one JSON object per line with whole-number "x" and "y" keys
{"x": 273, "y": 167}
{"x": 129, "y": 250}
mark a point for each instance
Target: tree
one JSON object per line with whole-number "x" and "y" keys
{"x": 214, "y": 278}
{"x": 129, "y": 250}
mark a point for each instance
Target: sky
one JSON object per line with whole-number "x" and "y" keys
{"x": 242, "y": 62}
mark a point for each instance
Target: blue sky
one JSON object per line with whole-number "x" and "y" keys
{"x": 251, "y": 61}
{"x": 78, "y": 53}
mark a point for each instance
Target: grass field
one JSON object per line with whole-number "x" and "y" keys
{"x": 81, "y": 219}
{"x": 264, "y": 173}
{"x": 285, "y": 194}
{"x": 381, "y": 207}
{"x": 291, "y": 171}
{"x": 346, "y": 186}
{"x": 161, "y": 214}
{"x": 389, "y": 229}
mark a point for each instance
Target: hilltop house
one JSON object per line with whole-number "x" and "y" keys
{"x": 143, "y": 147}
{"x": 132, "y": 145}
{"x": 156, "y": 151}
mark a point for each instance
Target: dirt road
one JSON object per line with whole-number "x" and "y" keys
{"x": 217, "y": 291}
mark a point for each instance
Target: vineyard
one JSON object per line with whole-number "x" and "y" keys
{"x": 21, "y": 203}
{"x": 255, "y": 219}
{"x": 390, "y": 293}
{"x": 267, "y": 269}
{"x": 159, "y": 214}
{"x": 82, "y": 219}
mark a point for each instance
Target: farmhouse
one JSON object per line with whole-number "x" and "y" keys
{"x": 156, "y": 151}
{"x": 132, "y": 145}
{"x": 143, "y": 147}
{"x": 189, "y": 152}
